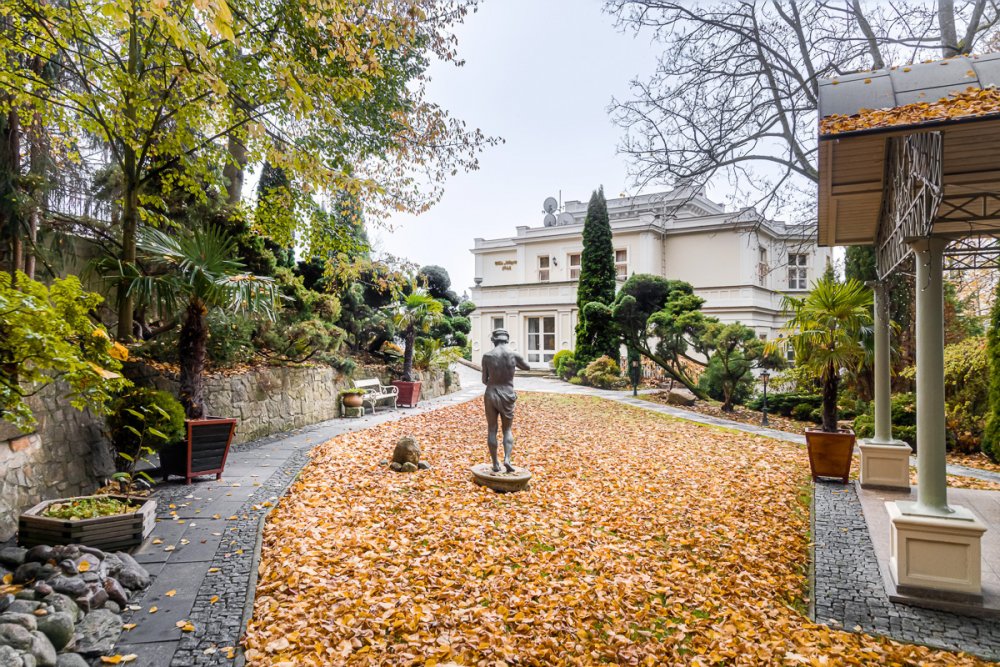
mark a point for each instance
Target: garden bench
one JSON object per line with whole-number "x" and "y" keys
{"x": 375, "y": 391}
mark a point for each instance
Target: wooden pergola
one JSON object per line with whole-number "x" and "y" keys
{"x": 909, "y": 161}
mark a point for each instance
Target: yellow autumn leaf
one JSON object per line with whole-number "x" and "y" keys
{"x": 171, "y": 593}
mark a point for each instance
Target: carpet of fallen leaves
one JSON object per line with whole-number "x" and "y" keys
{"x": 641, "y": 540}
{"x": 971, "y": 102}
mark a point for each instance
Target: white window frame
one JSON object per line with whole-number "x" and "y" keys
{"x": 798, "y": 271}
{"x": 762, "y": 266}
{"x": 493, "y": 321}
{"x": 544, "y": 268}
{"x": 621, "y": 268}
{"x": 574, "y": 269}
{"x": 541, "y": 354}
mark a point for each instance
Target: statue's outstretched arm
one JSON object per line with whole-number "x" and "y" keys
{"x": 521, "y": 363}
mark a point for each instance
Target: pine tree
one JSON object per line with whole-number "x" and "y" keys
{"x": 597, "y": 337}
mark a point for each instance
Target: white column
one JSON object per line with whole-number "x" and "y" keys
{"x": 933, "y": 546}
{"x": 885, "y": 463}
{"x": 932, "y": 486}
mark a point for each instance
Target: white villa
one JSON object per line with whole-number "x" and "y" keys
{"x": 738, "y": 262}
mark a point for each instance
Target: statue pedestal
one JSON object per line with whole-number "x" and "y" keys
{"x": 501, "y": 482}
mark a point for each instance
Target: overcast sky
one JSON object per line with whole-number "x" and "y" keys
{"x": 540, "y": 74}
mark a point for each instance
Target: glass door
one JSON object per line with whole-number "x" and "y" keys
{"x": 541, "y": 339}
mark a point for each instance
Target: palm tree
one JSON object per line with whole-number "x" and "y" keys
{"x": 415, "y": 314}
{"x": 189, "y": 275}
{"x": 827, "y": 333}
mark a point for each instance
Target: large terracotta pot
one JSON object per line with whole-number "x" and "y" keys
{"x": 830, "y": 454}
{"x": 409, "y": 393}
{"x": 352, "y": 400}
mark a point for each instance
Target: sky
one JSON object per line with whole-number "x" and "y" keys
{"x": 540, "y": 74}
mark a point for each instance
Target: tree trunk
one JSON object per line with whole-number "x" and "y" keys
{"x": 830, "y": 383}
{"x": 10, "y": 159}
{"x": 191, "y": 347}
{"x": 411, "y": 339}
{"x": 234, "y": 169}
{"x": 130, "y": 195}
{"x": 946, "y": 22}
{"x": 130, "y": 224}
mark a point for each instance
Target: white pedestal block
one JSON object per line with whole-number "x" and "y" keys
{"x": 885, "y": 464}
{"x": 936, "y": 553}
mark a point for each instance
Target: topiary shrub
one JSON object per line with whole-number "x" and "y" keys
{"x": 603, "y": 373}
{"x": 564, "y": 363}
{"x": 144, "y": 417}
{"x": 783, "y": 403}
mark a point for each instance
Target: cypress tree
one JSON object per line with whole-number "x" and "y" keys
{"x": 597, "y": 284}
{"x": 991, "y": 436}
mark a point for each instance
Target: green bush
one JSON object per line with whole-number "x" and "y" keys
{"x": 230, "y": 338}
{"x": 576, "y": 379}
{"x": 603, "y": 373}
{"x": 564, "y": 363}
{"x": 967, "y": 391}
{"x": 803, "y": 412}
{"x": 714, "y": 379}
{"x": 783, "y": 403}
{"x": 904, "y": 420}
{"x": 138, "y": 416}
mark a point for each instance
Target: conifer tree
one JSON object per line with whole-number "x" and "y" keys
{"x": 596, "y": 337}
{"x": 991, "y": 436}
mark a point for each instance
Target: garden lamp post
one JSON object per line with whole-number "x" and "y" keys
{"x": 634, "y": 368}
{"x": 765, "y": 376}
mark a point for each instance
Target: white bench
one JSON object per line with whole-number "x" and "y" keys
{"x": 375, "y": 391}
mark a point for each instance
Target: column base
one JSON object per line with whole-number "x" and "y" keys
{"x": 885, "y": 465}
{"x": 935, "y": 553}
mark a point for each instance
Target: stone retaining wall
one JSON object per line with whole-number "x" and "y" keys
{"x": 69, "y": 453}
{"x": 63, "y": 457}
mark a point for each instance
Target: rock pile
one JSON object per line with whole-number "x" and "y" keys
{"x": 60, "y": 606}
{"x": 406, "y": 456}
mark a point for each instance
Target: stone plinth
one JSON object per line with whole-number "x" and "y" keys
{"x": 501, "y": 482}
{"x": 935, "y": 553}
{"x": 885, "y": 465}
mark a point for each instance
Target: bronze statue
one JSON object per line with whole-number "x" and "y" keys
{"x": 499, "y": 365}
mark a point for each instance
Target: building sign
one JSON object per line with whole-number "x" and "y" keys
{"x": 506, "y": 264}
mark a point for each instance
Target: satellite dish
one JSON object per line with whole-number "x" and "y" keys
{"x": 550, "y": 220}
{"x": 566, "y": 219}
{"x": 550, "y": 205}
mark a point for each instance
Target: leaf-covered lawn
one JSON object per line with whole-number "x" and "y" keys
{"x": 642, "y": 540}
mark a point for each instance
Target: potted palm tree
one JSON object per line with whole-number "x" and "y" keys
{"x": 827, "y": 332}
{"x": 190, "y": 274}
{"x": 415, "y": 314}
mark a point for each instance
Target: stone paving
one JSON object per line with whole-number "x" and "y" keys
{"x": 204, "y": 560}
{"x": 849, "y": 592}
{"x": 203, "y": 552}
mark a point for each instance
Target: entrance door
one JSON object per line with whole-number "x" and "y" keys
{"x": 541, "y": 339}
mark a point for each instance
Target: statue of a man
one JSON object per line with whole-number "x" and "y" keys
{"x": 499, "y": 365}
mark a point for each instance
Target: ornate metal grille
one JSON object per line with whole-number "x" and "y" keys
{"x": 912, "y": 196}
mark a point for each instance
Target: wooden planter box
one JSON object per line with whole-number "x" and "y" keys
{"x": 830, "y": 454}
{"x": 204, "y": 452}
{"x": 108, "y": 533}
{"x": 409, "y": 393}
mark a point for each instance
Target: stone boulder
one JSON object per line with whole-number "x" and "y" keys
{"x": 407, "y": 451}
{"x": 97, "y": 633}
{"x": 58, "y": 627}
{"x": 681, "y": 397}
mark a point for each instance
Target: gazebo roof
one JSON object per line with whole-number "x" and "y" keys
{"x": 957, "y": 97}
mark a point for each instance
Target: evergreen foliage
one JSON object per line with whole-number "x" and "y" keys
{"x": 138, "y": 411}
{"x": 596, "y": 337}
{"x": 991, "y": 435}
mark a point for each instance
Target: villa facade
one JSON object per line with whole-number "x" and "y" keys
{"x": 738, "y": 262}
